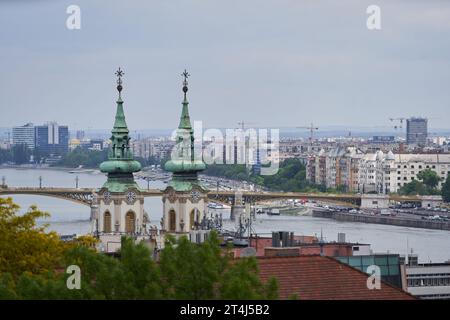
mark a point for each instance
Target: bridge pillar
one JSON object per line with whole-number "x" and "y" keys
{"x": 431, "y": 201}
{"x": 94, "y": 218}
{"x": 374, "y": 201}
{"x": 236, "y": 211}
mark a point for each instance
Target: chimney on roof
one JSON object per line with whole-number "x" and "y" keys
{"x": 282, "y": 239}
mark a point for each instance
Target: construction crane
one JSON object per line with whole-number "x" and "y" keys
{"x": 311, "y": 129}
{"x": 400, "y": 120}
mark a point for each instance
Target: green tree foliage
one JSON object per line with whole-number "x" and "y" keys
{"x": 429, "y": 178}
{"x": 186, "y": 271}
{"x": 5, "y": 156}
{"x": 152, "y": 160}
{"x": 25, "y": 247}
{"x": 427, "y": 183}
{"x": 193, "y": 280}
{"x": 20, "y": 153}
{"x": 415, "y": 187}
{"x": 231, "y": 171}
{"x": 446, "y": 189}
{"x": 211, "y": 274}
{"x": 83, "y": 157}
{"x": 291, "y": 176}
{"x": 240, "y": 281}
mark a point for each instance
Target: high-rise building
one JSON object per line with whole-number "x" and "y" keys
{"x": 24, "y": 135}
{"x": 52, "y": 139}
{"x": 80, "y": 135}
{"x": 416, "y": 131}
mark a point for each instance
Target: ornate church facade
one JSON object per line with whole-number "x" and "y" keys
{"x": 185, "y": 199}
{"x": 120, "y": 202}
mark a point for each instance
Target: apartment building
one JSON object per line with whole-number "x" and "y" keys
{"x": 355, "y": 171}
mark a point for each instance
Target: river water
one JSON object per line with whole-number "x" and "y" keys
{"x": 69, "y": 218}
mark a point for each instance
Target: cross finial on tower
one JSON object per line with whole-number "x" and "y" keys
{"x": 185, "y": 74}
{"x": 119, "y": 74}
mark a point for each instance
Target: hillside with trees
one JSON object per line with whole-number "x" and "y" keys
{"x": 291, "y": 176}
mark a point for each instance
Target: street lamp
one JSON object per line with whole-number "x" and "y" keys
{"x": 76, "y": 182}
{"x": 40, "y": 182}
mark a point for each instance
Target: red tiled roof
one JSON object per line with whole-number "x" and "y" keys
{"x": 314, "y": 277}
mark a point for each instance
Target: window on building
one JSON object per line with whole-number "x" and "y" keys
{"x": 107, "y": 222}
{"x": 130, "y": 224}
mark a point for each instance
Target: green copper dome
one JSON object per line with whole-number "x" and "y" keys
{"x": 120, "y": 157}
{"x": 183, "y": 159}
{"x": 185, "y": 163}
{"x": 184, "y": 166}
{"x": 120, "y": 164}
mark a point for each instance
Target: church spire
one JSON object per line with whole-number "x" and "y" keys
{"x": 185, "y": 121}
{"x": 184, "y": 163}
{"x": 120, "y": 125}
{"x": 120, "y": 164}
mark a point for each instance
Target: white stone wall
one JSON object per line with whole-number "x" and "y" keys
{"x": 182, "y": 212}
{"x": 375, "y": 201}
{"x": 118, "y": 213}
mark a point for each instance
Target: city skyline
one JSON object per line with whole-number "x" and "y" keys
{"x": 220, "y": 151}
{"x": 280, "y": 68}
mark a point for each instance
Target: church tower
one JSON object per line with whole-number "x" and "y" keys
{"x": 184, "y": 199}
{"x": 120, "y": 202}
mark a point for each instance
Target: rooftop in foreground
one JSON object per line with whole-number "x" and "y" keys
{"x": 314, "y": 277}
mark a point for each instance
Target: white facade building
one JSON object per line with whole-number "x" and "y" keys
{"x": 374, "y": 172}
{"x": 24, "y": 135}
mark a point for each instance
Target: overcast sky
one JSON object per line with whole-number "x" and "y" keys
{"x": 274, "y": 63}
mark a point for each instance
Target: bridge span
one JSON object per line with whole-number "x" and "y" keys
{"x": 83, "y": 196}
{"x": 86, "y": 196}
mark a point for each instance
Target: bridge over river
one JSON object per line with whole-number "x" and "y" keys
{"x": 86, "y": 196}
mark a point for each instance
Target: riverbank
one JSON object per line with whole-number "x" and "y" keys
{"x": 36, "y": 167}
{"x": 378, "y": 219}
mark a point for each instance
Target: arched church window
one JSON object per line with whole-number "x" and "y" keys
{"x": 192, "y": 220}
{"x": 107, "y": 222}
{"x": 172, "y": 220}
{"x": 130, "y": 222}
